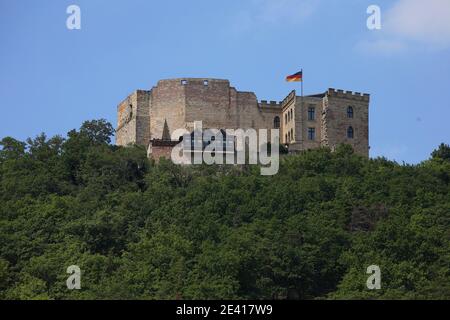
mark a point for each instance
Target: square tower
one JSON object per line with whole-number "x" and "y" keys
{"x": 327, "y": 119}
{"x": 345, "y": 119}
{"x": 133, "y": 119}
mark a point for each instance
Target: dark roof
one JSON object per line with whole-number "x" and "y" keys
{"x": 164, "y": 143}
{"x": 319, "y": 95}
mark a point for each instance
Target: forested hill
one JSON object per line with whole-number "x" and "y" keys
{"x": 140, "y": 230}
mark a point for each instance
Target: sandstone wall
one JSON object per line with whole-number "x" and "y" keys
{"x": 126, "y": 121}
{"x": 335, "y": 121}
{"x": 209, "y": 100}
{"x": 167, "y": 105}
{"x": 133, "y": 126}
{"x": 143, "y": 100}
{"x": 177, "y": 103}
{"x": 310, "y": 102}
{"x": 290, "y": 126}
{"x": 158, "y": 152}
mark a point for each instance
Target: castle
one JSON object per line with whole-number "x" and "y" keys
{"x": 148, "y": 118}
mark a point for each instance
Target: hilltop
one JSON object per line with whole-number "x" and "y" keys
{"x": 144, "y": 230}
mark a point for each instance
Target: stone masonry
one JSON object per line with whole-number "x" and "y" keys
{"x": 326, "y": 119}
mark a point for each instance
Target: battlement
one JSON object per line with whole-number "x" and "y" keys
{"x": 348, "y": 94}
{"x": 194, "y": 81}
{"x": 269, "y": 104}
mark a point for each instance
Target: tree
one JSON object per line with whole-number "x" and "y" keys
{"x": 144, "y": 230}
{"x": 11, "y": 148}
{"x": 98, "y": 131}
{"x": 442, "y": 152}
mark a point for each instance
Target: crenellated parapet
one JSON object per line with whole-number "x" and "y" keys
{"x": 348, "y": 94}
{"x": 264, "y": 104}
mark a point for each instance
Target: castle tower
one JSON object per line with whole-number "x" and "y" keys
{"x": 345, "y": 119}
{"x": 133, "y": 119}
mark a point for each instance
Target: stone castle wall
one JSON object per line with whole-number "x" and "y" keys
{"x": 336, "y": 122}
{"x": 176, "y": 103}
{"x": 167, "y": 106}
{"x": 126, "y": 120}
{"x": 133, "y": 125}
{"x": 221, "y": 106}
{"x": 304, "y": 123}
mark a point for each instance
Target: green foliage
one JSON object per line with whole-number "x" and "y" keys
{"x": 141, "y": 230}
{"x": 97, "y": 131}
{"x": 443, "y": 152}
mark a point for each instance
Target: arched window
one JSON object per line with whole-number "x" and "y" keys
{"x": 289, "y": 136}
{"x": 285, "y": 118}
{"x": 292, "y": 134}
{"x": 350, "y": 132}
{"x": 350, "y": 112}
{"x": 286, "y": 138}
{"x": 276, "y": 122}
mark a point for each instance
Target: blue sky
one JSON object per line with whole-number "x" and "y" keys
{"x": 52, "y": 78}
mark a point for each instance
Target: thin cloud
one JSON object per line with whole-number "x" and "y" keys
{"x": 425, "y": 21}
{"x": 381, "y": 46}
{"x": 267, "y": 13}
{"x": 284, "y": 11}
{"x": 411, "y": 24}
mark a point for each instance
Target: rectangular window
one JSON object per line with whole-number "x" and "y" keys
{"x": 312, "y": 133}
{"x": 311, "y": 113}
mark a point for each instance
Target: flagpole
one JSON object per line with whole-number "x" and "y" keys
{"x": 302, "y": 87}
{"x": 302, "y": 132}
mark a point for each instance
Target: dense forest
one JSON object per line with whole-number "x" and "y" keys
{"x": 145, "y": 230}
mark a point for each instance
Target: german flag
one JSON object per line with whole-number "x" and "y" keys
{"x": 295, "y": 77}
